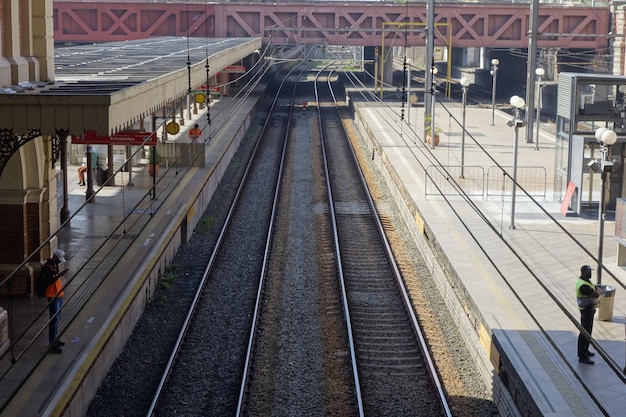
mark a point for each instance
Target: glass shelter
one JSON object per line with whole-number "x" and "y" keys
{"x": 585, "y": 103}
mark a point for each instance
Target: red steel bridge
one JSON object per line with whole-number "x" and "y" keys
{"x": 485, "y": 24}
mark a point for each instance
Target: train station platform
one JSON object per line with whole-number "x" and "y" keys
{"x": 511, "y": 290}
{"x": 116, "y": 247}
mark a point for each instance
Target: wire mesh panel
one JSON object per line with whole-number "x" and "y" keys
{"x": 531, "y": 178}
{"x": 455, "y": 180}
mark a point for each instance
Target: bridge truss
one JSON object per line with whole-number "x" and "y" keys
{"x": 494, "y": 25}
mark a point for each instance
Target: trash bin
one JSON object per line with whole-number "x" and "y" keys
{"x": 607, "y": 301}
{"x": 101, "y": 175}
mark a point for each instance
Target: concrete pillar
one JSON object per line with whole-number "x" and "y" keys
{"x": 384, "y": 70}
{"x": 43, "y": 38}
{"x": 49, "y": 221}
{"x": 5, "y": 65}
{"x": 369, "y": 56}
{"x": 387, "y": 71}
{"x": 223, "y": 79}
{"x": 181, "y": 110}
{"x": 26, "y": 35}
{"x": 11, "y": 44}
{"x": 26, "y": 41}
{"x": 28, "y": 200}
{"x": 619, "y": 61}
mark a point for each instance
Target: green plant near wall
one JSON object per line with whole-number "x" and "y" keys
{"x": 205, "y": 225}
{"x": 159, "y": 157}
{"x": 428, "y": 126}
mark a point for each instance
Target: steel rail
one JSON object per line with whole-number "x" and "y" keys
{"x": 197, "y": 296}
{"x": 303, "y": 66}
{"x": 344, "y": 295}
{"x": 432, "y": 369}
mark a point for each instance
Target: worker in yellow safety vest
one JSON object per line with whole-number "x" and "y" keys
{"x": 587, "y": 299}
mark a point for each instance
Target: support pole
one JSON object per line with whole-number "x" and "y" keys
{"x": 463, "y": 133}
{"x": 430, "y": 56}
{"x": 90, "y": 195}
{"x": 65, "y": 211}
{"x": 532, "y": 64}
{"x": 514, "y": 188}
{"x": 601, "y": 222}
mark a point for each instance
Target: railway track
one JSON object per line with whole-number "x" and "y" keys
{"x": 389, "y": 363}
{"x": 392, "y": 358}
{"x": 273, "y": 330}
{"x": 228, "y": 290}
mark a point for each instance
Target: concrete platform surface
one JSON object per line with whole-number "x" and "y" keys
{"x": 514, "y": 286}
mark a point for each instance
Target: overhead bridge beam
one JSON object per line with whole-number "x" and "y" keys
{"x": 500, "y": 25}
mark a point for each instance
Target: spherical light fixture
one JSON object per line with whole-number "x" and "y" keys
{"x": 609, "y": 137}
{"x": 599, "y": 133}
{"x": 540, "y": 72}
{"x": 464, "y": 82}
{"x": 517, "y": 102}
{"x": 494, "y": 75}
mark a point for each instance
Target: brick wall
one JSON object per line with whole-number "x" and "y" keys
{"x": 33, "y": 230}
{"x": 12, "y": 244}
{"x": 21, "y": 284}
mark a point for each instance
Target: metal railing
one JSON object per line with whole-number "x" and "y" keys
{"x": 450, "y": 180}
{"x": 531, "y": 178}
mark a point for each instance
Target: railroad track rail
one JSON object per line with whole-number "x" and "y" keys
{"x": 391, "y": 357}
{"x": 203, "y": 373}
{"x": 318, "y": 321}
{"x": 317, "y": 345}
{"x": 389, "y": 371}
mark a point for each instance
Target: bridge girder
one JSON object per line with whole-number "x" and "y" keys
{"x": 355, "y": 24}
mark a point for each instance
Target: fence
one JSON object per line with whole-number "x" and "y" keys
{"x": 450, "y": 180}
{"x": 531, "y": 178}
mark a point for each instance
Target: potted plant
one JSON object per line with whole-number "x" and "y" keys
{"x": 153, "y": 155}
{"x": 428, "y": 129}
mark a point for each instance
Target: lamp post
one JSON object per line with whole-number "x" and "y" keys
{"x": 465, "y": 83}
{"x": 494, "y": 73}
{"x": 540, "y": 73}
{"x": 408, "y": 91}
{"x": 622, "y": 100}
{"x": 376, "y": 71}
{"x": 432, "y": 108}
{"x": 606, "y": 137}
{"x": 517, "y": 102}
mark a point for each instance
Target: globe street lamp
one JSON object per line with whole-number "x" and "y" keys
{"x": 517, "y": 102}
{"x": 606, "y": 137}
{"x": 494, "y": 73}
{"x": 465, "y": 83}
{"x": 540, "y": 72}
